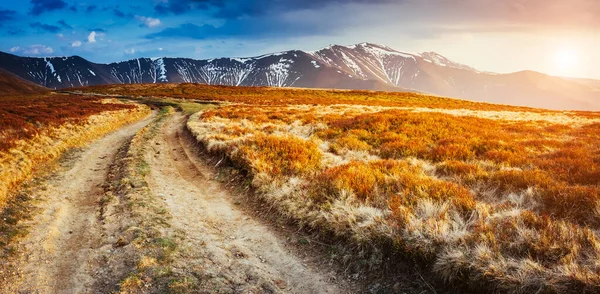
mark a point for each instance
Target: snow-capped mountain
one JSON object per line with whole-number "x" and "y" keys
{"x": 361, "y": 66}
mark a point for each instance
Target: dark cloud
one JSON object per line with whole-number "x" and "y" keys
{"x": 99, "y": 30}
{"x": 241, "y": 28}
{"x": 182, "y": 6}
{"x": 474, "y": 13}
{"x": 6, "y": 14}
{"x": 16, "y": 32}
{"x": 495, "y": 16}
{"x": 237, "y": 8}
{"x": 91, "y": 8}
{"x": 118, "y": 13}
{"x": 73, "y": 8}
{"x": 41, "y": 6}
{"x": 45, "y": 27}
{"x": 64, "y": 24}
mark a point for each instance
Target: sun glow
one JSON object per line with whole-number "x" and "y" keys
{"x": 566, "y": 61}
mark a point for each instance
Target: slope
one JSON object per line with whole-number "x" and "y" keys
{"x": 14, "y": 85}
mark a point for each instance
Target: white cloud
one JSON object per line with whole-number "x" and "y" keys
{"x": 160, "y": 49}
{"x": 149, "y": 21}
{"x": 36, "y": 49}
{"x": 92, "y": 37}
{"x": 76, "y": 44}
{"x": 130, "y": 51}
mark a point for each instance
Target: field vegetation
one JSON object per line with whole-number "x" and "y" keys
{"x": 287, "y": 96}
{"x": 484, "y": 195}
{"x": 39, "y": 128}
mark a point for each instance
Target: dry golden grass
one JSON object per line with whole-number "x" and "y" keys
{"x": 493, "y": 196}
{"x": 502, "y": 198}
{"x": 287, "y": 96}
{"x": 40, "y": 134}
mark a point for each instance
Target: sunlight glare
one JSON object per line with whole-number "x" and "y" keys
{"x": 566, "y": 61}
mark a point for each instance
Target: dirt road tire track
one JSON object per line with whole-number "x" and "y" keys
{"x": 228, "y": 250}
{"x": 225, "y": 248}
{"x": 66, "y": 244}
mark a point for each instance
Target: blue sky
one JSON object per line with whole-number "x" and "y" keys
{"x": 558, "y": 37}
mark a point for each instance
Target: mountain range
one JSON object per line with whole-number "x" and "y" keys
{"x": 362, "y": 66}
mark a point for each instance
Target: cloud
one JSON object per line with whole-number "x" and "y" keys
{"x": 92, "y": 37}
{"x": 6, "y": 14}
{"x": 97, "y": 30}
{"x": 180, "y": 6}
{"x": 76, "y": 44}
{"x": 32, "y": 50}
{"x": 242, "y": 28}
{"x": 41, "y": 6}
{"x": 497, "y": 16}
{"x": 91, "y": 8}
{"x": 118, "y": 13}
{"x": 64, "y": 24}
{"x": 149, "y": 21}
{"x": 15, "y": 32}
{"x": 130, "y": 51}
{"x": 237, "y": 8}
{"x": 433, "y": 14}
{"x": 45, "y": 27}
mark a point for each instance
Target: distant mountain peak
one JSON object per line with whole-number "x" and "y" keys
{"x": 359, "y": 45}
{"x": 441, "y": 60}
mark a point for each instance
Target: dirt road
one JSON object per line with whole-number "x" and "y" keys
{"x": 63, "y": 249}
{"x": 235, "y": 252}
{"x": 228, "y": 250}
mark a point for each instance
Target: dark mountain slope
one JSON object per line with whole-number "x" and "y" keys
{"x": 11, "y": 84}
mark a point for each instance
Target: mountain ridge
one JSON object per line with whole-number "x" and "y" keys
{"x": 363, "y": 66}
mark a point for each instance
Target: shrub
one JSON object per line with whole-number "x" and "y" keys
{"x": 350, "y": 143}
{"x": 279, "y": 155}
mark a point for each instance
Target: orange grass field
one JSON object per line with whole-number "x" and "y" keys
{"x": 486, "y": 195}
{"x": 37, "y": 129}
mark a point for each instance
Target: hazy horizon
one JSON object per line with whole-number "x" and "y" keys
{"x": 555, "y": 37}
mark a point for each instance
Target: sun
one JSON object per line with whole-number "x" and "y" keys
{"x": 566, "y": 58}
{"x": 566, "y": 61}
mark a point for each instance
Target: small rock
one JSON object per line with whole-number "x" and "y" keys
{"x": 137, "y": 184}
{"x": 281, "y": 284}
{"x": 121, "y": 242}
{"x": 375, "y": 288}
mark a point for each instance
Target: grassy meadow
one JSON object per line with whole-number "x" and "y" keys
{"x": 482, "y": 194}
{"x": 39, "y": 128}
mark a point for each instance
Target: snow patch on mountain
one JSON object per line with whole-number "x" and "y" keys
{"x": 435, "y": 58}
{"x": 278, "y": 74}
{"x": 162, "y": 71}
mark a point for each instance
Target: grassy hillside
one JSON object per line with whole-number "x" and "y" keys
{"x": 13, "y": 85}
{"x": 38, "y": 128}
{"x": 483, "y": 195}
